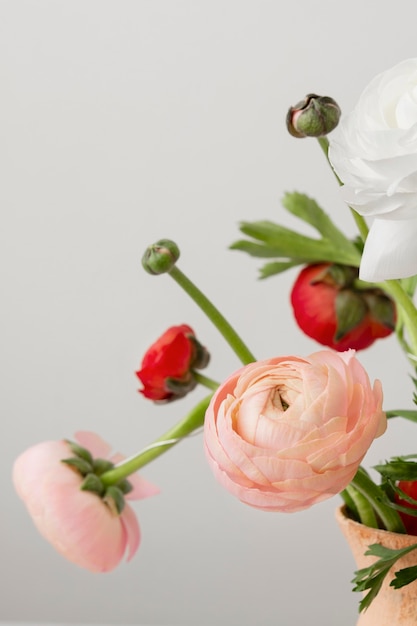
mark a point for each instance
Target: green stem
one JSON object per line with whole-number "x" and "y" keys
{"x": 359, "y": 219}
{"x": 395, "y": 289}
{"x": 192, "y": 421}
{"x": 214, "y": 315}
{"x": 205, "y": 380}
{"x": 388, "y": 516}
{"x": 362, "y": 507}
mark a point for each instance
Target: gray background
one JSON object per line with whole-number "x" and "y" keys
{"x": 123, "y": 122}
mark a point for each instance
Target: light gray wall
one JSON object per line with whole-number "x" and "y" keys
{"x": 123, "y": 122}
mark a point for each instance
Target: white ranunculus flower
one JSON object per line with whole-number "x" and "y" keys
{"x": 374, "y": 153}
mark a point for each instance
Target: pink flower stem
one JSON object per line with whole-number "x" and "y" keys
{"x": 192, "y": 421}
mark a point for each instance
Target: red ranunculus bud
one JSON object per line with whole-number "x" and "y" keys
{"x": 329, "y": 309}
{"x": 409, "y": 487}
{"x": 166, "y": 369}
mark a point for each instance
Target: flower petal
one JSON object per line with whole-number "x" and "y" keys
{"x": 390, "y": 250}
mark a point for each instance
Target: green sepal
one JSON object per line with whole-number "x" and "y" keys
{"x": 201, "y": 356}
{"x": 180, "y": 387}
{"x": 80, "y": 465}
{"x": 92, "y": 483}
{"x": 350, "y": 309}
{"x": 114, "y": 499}
{"x": 381, "y": 308}
{"x": 79, "y": 451}
{"x": 102, "y": 465}
{"x": 125, "y": 486}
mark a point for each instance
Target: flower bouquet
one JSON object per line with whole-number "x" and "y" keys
{"x": 287, "y": 432}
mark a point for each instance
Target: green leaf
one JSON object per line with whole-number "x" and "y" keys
{"x": 373, "y": 576}
{"x": 398, "y": 468}
{"x": 407, "y": 414}
{"x": 288, "y": 244}
{"x": 309, "y": 211}
{"x": 276, "y": 267}
{"x": 404, "y": 577}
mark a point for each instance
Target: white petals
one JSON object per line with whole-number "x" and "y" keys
{"x": 374, "y": 153}
{"x": 390, "y": 250}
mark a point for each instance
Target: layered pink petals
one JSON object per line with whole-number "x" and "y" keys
{"x": 79, "y": 524}
{"x": 286, "y": 433}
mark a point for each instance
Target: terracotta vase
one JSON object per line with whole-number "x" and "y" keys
{"x": 391, "y": 607}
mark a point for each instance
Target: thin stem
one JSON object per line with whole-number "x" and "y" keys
{"x": 214, "y": 315}
{"x": 389, "y": 517}
{"x": 395, "y": 289}
{"x": 205, "y": 380}
{"x": 359, "y": 219}
{"x": 193, "y": 421}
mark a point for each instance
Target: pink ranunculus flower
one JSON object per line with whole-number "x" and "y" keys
{"x": 288, "y": 432}
{"x": 79, "y": 524}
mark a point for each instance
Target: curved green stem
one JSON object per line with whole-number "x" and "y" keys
{"x": 205, "y": 380}
{"x": 359, "y": 219}
{"x": 214, "y": 315}
{"x": 373, "y": 494}
{"x": 194, "y": 420}
{"x": 395, "y": 289}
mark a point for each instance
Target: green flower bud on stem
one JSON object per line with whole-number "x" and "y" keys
{"x": 315, "y": 116}
{"x": 160, "y": 257}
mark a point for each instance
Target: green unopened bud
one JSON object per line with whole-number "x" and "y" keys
{"x": 160, "y": 257}
{"x": 314, "y": 116}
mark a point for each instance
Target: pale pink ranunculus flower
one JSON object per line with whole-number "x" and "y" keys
{"x": 288, "y": 432}
{"x": 79, "y": 524}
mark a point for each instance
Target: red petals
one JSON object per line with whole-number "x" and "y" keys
{"x": 166, "y": 370}
{"x": 329, "y": 309}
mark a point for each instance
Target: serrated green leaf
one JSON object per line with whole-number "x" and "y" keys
{"x": 373, "y": 576}
{"x": 309, "y": 211}
{"x": 284, "y": 243}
